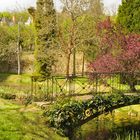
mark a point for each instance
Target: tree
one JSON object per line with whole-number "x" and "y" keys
{"x": 118, "y": 51}
{"x": 129, "y": 15}
{"x": 45, "y": 23}
{"x": 76, "y": 25}
{"x": 93, "y": 15}
{"x": 69, "y": 38}
{"x": 7, "y": 47}
{"x": 22, "y": 36}
{"x": 27, "y": 37}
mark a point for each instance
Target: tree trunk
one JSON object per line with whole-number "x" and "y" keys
{"x": 83, "y": 65}
{"x": 68, "y": 65}
{"x": 130, "y": 79}
{"x": 18, "y": 51}
{"x": 132, "y": 82}
{"x": 74, "y": 62}
{"x": 18, "y": 60}
{"x": 132, "y": 86}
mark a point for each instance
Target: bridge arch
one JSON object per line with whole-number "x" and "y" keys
{"x": 73, "y": 114}
{"x": 106, "y": 111}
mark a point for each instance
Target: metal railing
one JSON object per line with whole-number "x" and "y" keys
{"x": 90, "y": 83}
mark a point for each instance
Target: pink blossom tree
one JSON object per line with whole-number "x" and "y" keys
{"x": 118, "y": 52}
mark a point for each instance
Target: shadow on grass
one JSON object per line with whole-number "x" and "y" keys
{"x": 26, "y": 123}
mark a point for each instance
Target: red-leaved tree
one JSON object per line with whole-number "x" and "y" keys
{"x": 119, "y": 52}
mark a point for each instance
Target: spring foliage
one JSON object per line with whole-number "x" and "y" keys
{"x": 45, "y": 22}
{"x": 67, "y": 115}
{"x": 118, "y": 51}
{"x": 129, "y": 15}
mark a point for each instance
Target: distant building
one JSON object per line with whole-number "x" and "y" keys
{"x": 12, "y": 21}
{"x": 29, "y": 21}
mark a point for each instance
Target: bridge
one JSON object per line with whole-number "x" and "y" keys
{"x": 108, "y": 91}
{"x": 69, "y": 115}
{"x": 89, "y": 83}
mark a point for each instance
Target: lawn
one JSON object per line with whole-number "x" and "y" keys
{"x": 19, "y": 122}
{"x": 14, "y": 78}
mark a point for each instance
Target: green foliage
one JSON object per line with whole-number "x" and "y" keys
{"x": 7, "y": 45}
{"x": 21, "y": 16}
{"x": 18, "y": 16}
{"x": 27, "y": 37}
{"x": 65, "y": 114}
{"x": 9, "y": 37}
{"x": 69, "y": 114}
{"x": 5, "y": 15}
{"x": 89, "y": 39}
{"x": 128, "y": 15}
{"x": 45, "y": 22}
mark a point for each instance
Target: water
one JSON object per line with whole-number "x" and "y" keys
{"x": 121, "y": 124}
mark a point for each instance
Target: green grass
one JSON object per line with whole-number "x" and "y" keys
{"x": 14, "y": 78}
{"x": 18, "y": 122}
{"x": 15, "y": 84}
{"x": 128, "y": 136}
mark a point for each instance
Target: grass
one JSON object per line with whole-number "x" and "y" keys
{"x": 14, "y": 78}
{"x": 128, "y": 136}
{"x": 18, "y": 85}
{"x": 23, "y": 123}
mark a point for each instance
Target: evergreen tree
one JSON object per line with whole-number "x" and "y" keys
{"x": 129, "y": 15}
{"x": 45, "y": 23}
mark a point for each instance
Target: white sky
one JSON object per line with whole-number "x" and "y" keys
{"x": 18, "y": 4}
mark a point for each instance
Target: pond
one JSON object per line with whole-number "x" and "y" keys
{"x": 121, "y": 124}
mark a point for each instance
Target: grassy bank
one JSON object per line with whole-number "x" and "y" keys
{"x": 13, "y": 84}
{"x": 23, "y": 123}
{"x": 14, "y": 78}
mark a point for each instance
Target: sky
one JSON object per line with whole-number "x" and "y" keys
{"x": 18, "y": 4}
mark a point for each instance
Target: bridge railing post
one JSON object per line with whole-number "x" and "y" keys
{"x": 71, "y": 84}
{"x": 52, "y": 79}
